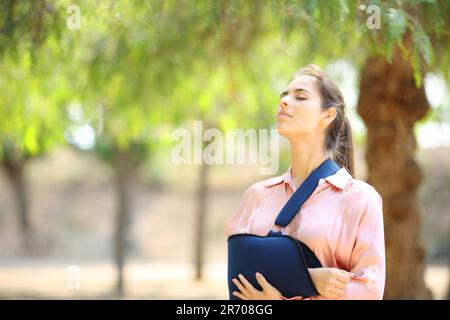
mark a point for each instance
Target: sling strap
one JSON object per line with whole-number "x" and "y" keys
{"x": 303, "y": 192}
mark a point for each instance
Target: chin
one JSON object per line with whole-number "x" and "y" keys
{"x": 283, "y": 129}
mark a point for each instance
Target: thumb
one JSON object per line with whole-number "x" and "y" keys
{"x": 351, "y": 274}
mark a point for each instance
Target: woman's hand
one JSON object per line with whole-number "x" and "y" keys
{"x": 330, "y": 282}
{"x": 248, "y": 292}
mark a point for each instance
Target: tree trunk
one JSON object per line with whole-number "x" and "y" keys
{"x": 123, "y": 171}
{"x": 202, "y": 197}
{"x": 390, "y": 104}
{"x": 15, "y": 171}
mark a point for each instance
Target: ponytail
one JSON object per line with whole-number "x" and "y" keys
{"x": 343, "y": 154}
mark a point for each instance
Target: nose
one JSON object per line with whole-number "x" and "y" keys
{"x": 283, "y": 103}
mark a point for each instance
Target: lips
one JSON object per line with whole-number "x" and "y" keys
{"x": 283, "y": 114}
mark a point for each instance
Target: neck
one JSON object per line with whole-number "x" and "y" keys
{"x": 306, "y": 155}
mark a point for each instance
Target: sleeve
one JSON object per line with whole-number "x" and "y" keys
{"x": 368, "y": 261}
{"x": 368, "y": 255}
{"x": 239, "y": 219}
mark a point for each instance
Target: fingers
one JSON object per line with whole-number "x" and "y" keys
{"x": 341, "y": 275}
{"x": 336, "y": 291}
{"x": 330, "y": 295}
{"x": 263, "y": 282}
{"x": 338, "y": 284}
{"x": 333, "y": 292}
{"x": 240, "y": 295}
{"x": 247, "y": 284}
{"x": 240, "y": 287}
{"x": 332, "y": 282}
{"x": 349, "y": 274}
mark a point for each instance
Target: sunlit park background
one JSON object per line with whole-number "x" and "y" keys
{"x": 92, "y": 204}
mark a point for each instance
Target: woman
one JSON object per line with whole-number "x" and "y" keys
{"x": 342, "y": 221}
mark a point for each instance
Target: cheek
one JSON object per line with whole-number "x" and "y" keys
{"x": 306, "y": 117}
{"x": 295, "y": 125}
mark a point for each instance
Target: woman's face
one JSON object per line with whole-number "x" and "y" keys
{"x": 299, "y": 109}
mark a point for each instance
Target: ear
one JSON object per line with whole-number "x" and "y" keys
{"x": 328, "y": 116}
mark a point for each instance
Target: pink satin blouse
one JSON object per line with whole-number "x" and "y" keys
{"x": 342, "y": 222}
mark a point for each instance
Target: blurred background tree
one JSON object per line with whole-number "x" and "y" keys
{"x": 33, "y": 93}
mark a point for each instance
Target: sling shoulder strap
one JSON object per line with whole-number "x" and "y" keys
{"x": 303, "y": 192}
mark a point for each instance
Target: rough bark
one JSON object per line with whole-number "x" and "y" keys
{"x": 390, "y": 103}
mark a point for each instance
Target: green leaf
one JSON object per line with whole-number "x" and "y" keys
{"x": 415, "y": 63}
{"x": 30, "y": 139}
{"x": 396, "y": 26}
{"x": 422, "y": 44}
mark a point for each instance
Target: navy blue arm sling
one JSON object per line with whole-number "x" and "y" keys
{"x": 281, "y": 259}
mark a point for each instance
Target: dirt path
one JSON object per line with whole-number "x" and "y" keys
{"x": 54, "y": 279}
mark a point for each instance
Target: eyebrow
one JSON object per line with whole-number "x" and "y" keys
{"x": 295, "y": 90}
